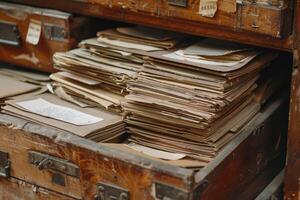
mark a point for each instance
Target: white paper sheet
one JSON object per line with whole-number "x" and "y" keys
{"x": 42, "y": 107}
{"x": 205, "y": 62}
{"x": 156, "y": 153}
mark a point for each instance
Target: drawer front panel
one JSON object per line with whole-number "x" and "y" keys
{"x": 269, "y": 20}
{"x": 14, "y": 189}
{"x": 36, "y": 171}
{"x": 136, "y": 177}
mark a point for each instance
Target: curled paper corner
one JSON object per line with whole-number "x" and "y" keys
{"x": 208, "y": 8}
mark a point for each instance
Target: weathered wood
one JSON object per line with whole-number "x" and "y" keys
{"x": 292, "y": 173}
{"x": 14, "y": 189}
{"x": 268, "y": 20}
{"x": 274, "y": 191}
{"x": 68, "y": 33}
{"x": 247, "y": 157}
{"x": 97, "y": 163}
{"x": 18, "y": 148}
{"x": 224, "y": 26}
{"x": 264, "y": 179}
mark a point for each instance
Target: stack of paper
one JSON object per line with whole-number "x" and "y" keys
{"x": 47, "y": 109}
{"x": 10, "y": 87}
{"x": 196, "y": 99}
{"x": 27, "y": 76}
{"x": 140, "y": 37}
{"x": 93, "y": 79}
{"x": 15, "y": 83}
{"x": 98, "y": 72}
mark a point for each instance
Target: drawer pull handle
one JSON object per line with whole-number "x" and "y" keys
{"x": 110, "y": 192}
{"x": 46, "y": 162}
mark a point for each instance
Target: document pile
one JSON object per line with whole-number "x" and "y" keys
{"x": 98, "y": 72}
{"x": 15, "y": 83}
{"x": 49, "y": 110}
{"x": 196, "y": 99}
{"x": 140, "y": 37}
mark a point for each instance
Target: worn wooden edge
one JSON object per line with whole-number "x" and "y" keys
{"x": 247, "y": 131}
{"x": 272, "y": 188}
{"x": 41, "y": 11}
{"x": 258, "y": 185}
{"x": 194, "y": 28}
{"x": 59, "y": 136}
{"x": 292, "y": 171}
{"x": 34, "y": 188}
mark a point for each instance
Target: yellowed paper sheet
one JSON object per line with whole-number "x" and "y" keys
{"x": 208, "y": 8}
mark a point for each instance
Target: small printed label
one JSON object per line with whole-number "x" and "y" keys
{"x": 208, "y": 8}
{"x": 34, "y": 32}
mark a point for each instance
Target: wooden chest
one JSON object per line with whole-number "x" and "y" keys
{"x": 40, "y": 162}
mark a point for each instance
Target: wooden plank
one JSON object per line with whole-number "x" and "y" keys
{"x": 262, "y": 181}
{"x": 18, "y": 147}
{"x": 180, "y": 25}
{"x": 274, "y": 190}
{"x": 14, "y": 189}
{"x": 292, "y": 174}
{"x": 97, "y": 163}
{"x": 247, "y": 156}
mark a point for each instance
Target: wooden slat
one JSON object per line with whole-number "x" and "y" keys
{"x": 292, "y": 173}
{"x": 97, "y": 162}
{"x": 274, "y": 190}
{"x": 14, "y": 189}
{"x": 247, "y": 157}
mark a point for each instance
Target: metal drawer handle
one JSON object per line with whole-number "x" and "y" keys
{"x": 44, "y": 162}
{"x": 111, "y": 192}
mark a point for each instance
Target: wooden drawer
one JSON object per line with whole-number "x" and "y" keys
{"x": 14, "y": 189}
{"x": 272, "y": 18}
{"x": 29, "y": 36}
{"x": 79, "y": 166}
{"x": 263, "y": 24}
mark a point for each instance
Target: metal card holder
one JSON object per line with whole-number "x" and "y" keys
{"x": 181, "y": 3}
{"x": 164, "y": 192}
{"x": 54, "y": 32}
{"x": 9, "y": 34}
